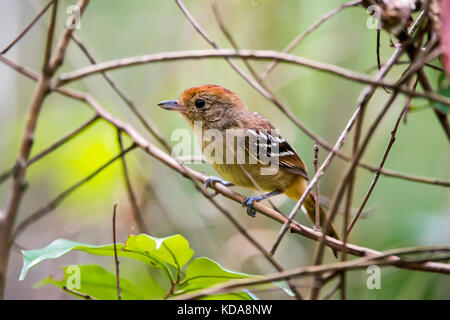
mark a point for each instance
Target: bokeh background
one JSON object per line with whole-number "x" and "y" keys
{"x": 407, "y": 213}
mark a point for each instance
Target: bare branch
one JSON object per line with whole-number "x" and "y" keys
{"x": 246, "y": 54}
{"x": 38, "y": 214}
{"x": 310, "y": 29}
{"x": 377, "y": 175}
{"x": 149, "y": 126}
{"x": 116, "y": 259}
{"x": 51, "y": 148}
{"x": 28, "y": 27}
{"x": 78, "y": 294}
{"x": 137, "y": 214}
{"x": 316, "y": 169}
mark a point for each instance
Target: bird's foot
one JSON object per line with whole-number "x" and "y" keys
{"x": 210, "y": 181}
{"x": 248, "y": 202}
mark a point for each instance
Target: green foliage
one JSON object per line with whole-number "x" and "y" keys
{"x": 98, "y": 283}
{"x": 170, "y": 256}
{"x": 440, "y": 106}
{"x": 444, "y": 90}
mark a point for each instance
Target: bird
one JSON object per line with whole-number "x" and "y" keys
{"x": 216, "y": 109}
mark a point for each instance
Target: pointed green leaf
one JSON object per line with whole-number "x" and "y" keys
{"x": 169, "y": 254}
{"x": 206, "y": 272}
{"x": 174, "y": 250}
{"x": 203, "y": 272}
{"x": 97, "y": 283}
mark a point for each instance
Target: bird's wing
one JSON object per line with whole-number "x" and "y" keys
{"x": 270, "y": 144}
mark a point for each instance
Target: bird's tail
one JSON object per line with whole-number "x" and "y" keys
{"x": 309, "y": 206}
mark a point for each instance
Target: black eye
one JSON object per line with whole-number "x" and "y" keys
{"x": 200, "y": 103}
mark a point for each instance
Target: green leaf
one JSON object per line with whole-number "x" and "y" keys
{"x": 203, "y": 272}
{"x": 440, "y": 106}
{"x": 174, "y": 250}
{"x": 169, "y": 254}
{"x": 54, "y": 250}
{"x": 95, "y": 282}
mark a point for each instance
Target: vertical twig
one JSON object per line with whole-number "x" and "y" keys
{"x": 137, "y": 214}
{"x": 344, "y": 182}
{"x": 116, "y": 259}
{"x": 378, "y": 49}
{"x": 347, "y": 181}
{"x": 316, "y": 169}
{"x": 377, "y": 174}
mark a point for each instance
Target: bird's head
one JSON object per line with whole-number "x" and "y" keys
{"x": 213, "y": 105}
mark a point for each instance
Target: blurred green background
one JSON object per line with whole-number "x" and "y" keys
{"x": 408, "y": 213}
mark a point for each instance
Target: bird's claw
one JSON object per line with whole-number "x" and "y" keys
{"x": 248, "y": 202}
{"x": 210, "y": 181}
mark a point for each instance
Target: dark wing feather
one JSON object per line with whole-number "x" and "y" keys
{"x": 271, "y": 144}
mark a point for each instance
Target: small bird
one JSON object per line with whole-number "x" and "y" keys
{"x": 217, "y": 108}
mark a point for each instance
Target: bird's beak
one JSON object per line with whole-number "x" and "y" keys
{"x": 170, "y": 105}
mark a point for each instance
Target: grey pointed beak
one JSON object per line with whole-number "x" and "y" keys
{"x": 170, "y": 105}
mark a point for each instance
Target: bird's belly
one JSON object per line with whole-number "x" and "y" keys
{"x": 238, "y": 174}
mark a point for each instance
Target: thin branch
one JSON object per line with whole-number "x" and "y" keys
{"x": 116, "y": 259}
{"x": 377, "y": 175}
{"x": 48, "y": 46}
{"x": 316, "y": 169}
{"x": 378, "y": 49}
{"x": 313, "y": 180}
{"x": 341, "y": 187}
{"x": 332, "y": 291}
{"x": 149, "y": 126}
{"x": 28, "y": 27}
{"x": 429, "y": 65}
{"x": 51, "y": 148}
{"x": 38, "y": 214}
{"x": 137, "y": 214}
{"x": 347, "y": 180}
{"x": 423, "y": 78}
{"x": 57, "y": 59}
{"x": 245, "y": 54}
{"x": 304, "y": 34}
{"x": 78, "y": 294}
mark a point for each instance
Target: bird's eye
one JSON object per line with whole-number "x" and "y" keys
{"x": 200, "y": 103}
